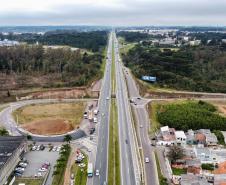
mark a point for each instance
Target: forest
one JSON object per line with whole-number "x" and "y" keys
{"x": 137, "y": 36}
{"x": 201, "y": 68}
{"x": 191, "y": 115}
{"x": 33, "y": 66}
{"x": 93, "y": 40}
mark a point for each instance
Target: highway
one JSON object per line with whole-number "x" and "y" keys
{"x": 103, "y": 121}
{"x": 142, "y": 124}
{"x": 130, "y": 174}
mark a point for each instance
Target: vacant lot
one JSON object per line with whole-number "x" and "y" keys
{"x": 49, "y": 119}
{"x": 221, "y": 106}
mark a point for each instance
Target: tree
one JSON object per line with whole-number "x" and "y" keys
{"x": 29, "y": 137}
{"x": 175, "y": 153}
{"x": 3, "y": 132}
{"x": 67, "y": 138}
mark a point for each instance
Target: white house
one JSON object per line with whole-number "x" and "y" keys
{"x": 181, "y": 138}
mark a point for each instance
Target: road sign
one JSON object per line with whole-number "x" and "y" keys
{"x": 149, "y": 78}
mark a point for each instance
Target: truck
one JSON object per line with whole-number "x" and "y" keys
{"x": 90, "y": 170}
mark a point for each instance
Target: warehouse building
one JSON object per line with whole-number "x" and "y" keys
{"x": 12, "y": 149}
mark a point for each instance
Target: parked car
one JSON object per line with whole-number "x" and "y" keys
{"x": 42, "y": 147}
{"x": 146, "y": 160}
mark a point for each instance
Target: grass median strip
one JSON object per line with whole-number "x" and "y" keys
{"x": 113, "y": 153}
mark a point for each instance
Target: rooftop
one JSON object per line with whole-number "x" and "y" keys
{"x": 8, "y": 144}
{"x": 190, "y": 179}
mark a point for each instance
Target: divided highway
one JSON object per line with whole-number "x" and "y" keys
{"x": 130, "y": 174}
{"x": 143, "y": 124}
{"x": 103, "y": 123}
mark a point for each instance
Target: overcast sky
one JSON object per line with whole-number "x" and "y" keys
{"x": 113, "y": 12}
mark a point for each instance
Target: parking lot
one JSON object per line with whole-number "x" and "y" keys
{"x": 37, "y": 158}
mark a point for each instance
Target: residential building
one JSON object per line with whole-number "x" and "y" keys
{"x": 203, "y": 154}
{"x": 166, "y": 136}
{"x": 12, "y": 149}
{"x": 190, "y": 137}
{"x": 191, "y": 179}
{"x": 180, "y": 137}
{"x": 211, "y": 138}
{"x": 195, "y": 42}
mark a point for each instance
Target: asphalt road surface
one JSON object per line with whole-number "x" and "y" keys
{"x": 103, "y": 119}
{"x": 142, "y": 118}
{"x": 128, "y": 156}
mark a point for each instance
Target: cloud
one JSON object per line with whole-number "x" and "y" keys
{"x": 113, "y": 12}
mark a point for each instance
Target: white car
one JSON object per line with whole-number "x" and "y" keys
{"x": 146, "y": 160}
{"x": 42, "y": 169}
{"x": 94, "y": 120}
{"x": 54, "y": 149}
{"x": 97, "y": 172}
{"x": 34, "y": 148}
{"x": 58, "y": 148}
{"x": 107, "y": 98}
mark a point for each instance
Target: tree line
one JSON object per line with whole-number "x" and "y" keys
{"x": 201, "y": 68}
{"x": 54, "y": 67}
{"x": 93, "y": 40}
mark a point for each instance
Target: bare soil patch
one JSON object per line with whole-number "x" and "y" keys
{"x": 49, "y": 127}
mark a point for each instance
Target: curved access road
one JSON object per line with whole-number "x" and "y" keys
{"x": 7, "y": 120}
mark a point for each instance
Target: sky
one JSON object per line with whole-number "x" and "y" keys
{"x": 113, "y": 12}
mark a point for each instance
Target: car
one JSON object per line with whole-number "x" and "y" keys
{"x": 34, "y": 148}
{"x": 107, "y": 98}
{"x": 97, "y": 172}
{"x": 58, "y": 148}
{"x": 146, "y": 160}
{"x": 42, "y": 169}
{"x": 39, "y": 174}
{"x": 42, "y": 147}
{"x": 126, "y": 141}
{"x": 94, "y": 120}
{"x": 138, "y": 98}
{"x": 135, "y": 103}
{"x": 17, "y": 174}
{"x": 38, "y": 147}
{"x": 72, "y": 176}
{"x": 85, "y": 115}
{"x": 141, "y": 126}
{"x": 54, "y": 149}
{"x": 19, "y": 169}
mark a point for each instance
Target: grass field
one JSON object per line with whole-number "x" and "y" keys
{"x": 113, "y": 151}
{"x": 28, "y": 181}
{"x": 53, "y": 118}
{"x": 177, "y": 171}
{"x": 80, "y": 173}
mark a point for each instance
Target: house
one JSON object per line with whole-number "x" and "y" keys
{"x": 190, "y": 137}
{"x": 211, "y": 138}
{"x": 180, "y": 137}
{"x": 166, "y": 136}
{"x": 221, "y": 168}
{"x": 191, "y": 179}
{"x": 203, "y": 154}
{"x": 195, "y": 43}
{"x": 12, "y": 149}
{"x": 193, "y": 166}
{"x": 200, "y": 138}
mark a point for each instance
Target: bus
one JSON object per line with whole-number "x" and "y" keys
{"x": 90, "y": 170}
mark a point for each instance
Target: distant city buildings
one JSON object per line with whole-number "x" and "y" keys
{"x": 8, "y": 43}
